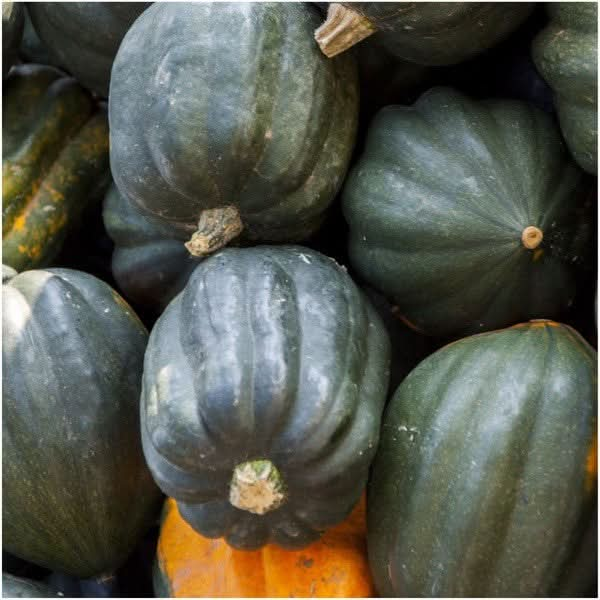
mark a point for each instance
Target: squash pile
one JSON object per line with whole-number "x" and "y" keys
{"x": 298, "y": 299}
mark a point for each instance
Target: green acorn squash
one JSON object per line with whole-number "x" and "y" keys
{"x": 21, "y": 587}
{"x": 470, "y": 215}
{"x": 226, "y": 119}
{"x": 566, "y": 54}
{"x": 264, "y": 383}
{"x": 428, "y": 33}
{"x": 77, "y": 495}
{"x": 485, "y": 479}
{"x": 12, "y": 31}
{"x": 54, "y": 155}
{"x": 150, "y": 262}
{"x": 85, "y": 36}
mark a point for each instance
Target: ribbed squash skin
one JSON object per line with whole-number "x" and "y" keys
{"x": 566, "y": 54}
{"x": 84, "y": 36}
{"x": 231, "y": 104}
{"x": 189, "y": 565}
{"x": 438, "y": 203}
{"x": 485, "y": 479}
{"x": 77, "y": 495}
{"x": 12, "y": 31}
{"x": 268, "y": 353}
{"x": 149, "y": 261}
{"x": 20, "y": 587}
{"x": 54, "y": 155}
{"x": 441, "y": 33}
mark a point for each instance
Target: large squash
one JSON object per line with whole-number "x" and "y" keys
{"x": 226, "y": 120}
{"x": 76, "y": 493}
{"x": 428, "y": 33}
{"x": 84, "y": 36}
{"x": 190, "y": 565}
{"x": 566, "y": 54}
{"x": 264, "y": 383}
{"x": 54, "y": 156}
{"x": 150, "y": 262}
{"x": 470, "y": 215}
{"x": 485, "y": 480}
{"x": 12, "y": 31}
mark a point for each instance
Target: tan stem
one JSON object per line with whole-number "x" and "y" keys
{"x": 256, "y": 487}
{"x": 342, "y": 29}
{"x": 216, "y": 228}
{"x": 532, "y": 237}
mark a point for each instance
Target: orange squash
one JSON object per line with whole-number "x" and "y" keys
{"x": 189, "y": 565}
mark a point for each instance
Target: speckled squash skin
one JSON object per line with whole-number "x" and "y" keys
{"x": 439, "y": 202}
{"x": 149, "y": 262}
{"x": 12, "y": 31}
{"x": 566, "y": 54}
{"x": 215, "y": 105}
{"x": 20, "y": 587}
{"x": 485, "y": 480}
{"x": 77, "y": 495}
{"x": 54, "y": 155}
{"x": 269, "y": 353}
{"x": 84, "y": 36}
{"x": 190, "y": 565}
{"x": 440, "y": 33}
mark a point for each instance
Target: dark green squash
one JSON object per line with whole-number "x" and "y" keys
{"x": 428, "y": 33}
{"x": 77, "y": 495}
{"x": 54, "y": 156}
{"x": 20, "y": 587}
{"x": 485, "y": 480}
{"x": 264, "y": 383}
{"x": 226, "y": 119}
{"x": 566, "y": 54}
{"x": 32, "y": 49}
{"x": 150, "y": 262}
{"x": 470, "y": 215}
{"x": 84, "y": 36}
{"x": 12, "y": 31}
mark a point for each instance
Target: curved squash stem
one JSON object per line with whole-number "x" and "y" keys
{"x": 216, "y": 228}
{"x": 342, "y": 29}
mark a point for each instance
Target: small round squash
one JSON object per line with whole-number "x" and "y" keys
{"x": 264, "y": 383}
{"x": 485, "y": 481}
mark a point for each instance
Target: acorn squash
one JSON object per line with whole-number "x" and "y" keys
{"x": 566, "y": 54}
{"x": 84, "y": 36}
{"x": 264, "y": 383}
{"x": 77, "y": 495}
{"x": 470, "y": 215}
{"x": 485, "y": 479}
{"x": 227, "y": 121}
{"x": 190, "y": 565}
{"x": 150, "y": 262}
{"x": 12, "y": 31}
{"x": 428, "y": 33}
{"x": 54, "y": 155}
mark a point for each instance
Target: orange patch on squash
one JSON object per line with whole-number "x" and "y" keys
{"x": 591, "y": 465}
{"x": 334, "y": 566}
{"x": 19, "y": 223}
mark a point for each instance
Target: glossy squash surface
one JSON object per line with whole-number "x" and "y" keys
{"x": 566, "y": 54}
{"x": 21, "y": 587}
{"x": 469, "y": 214}
{"x": 54, "y": 155}
{"x": 84, "y": 36}
{"x": 77, "y": 495}
{"x": 231, "y": 106}
{"x": 485, "y": 480}
{"x": 190, "y": 565}
{"x": 264, "y": 382}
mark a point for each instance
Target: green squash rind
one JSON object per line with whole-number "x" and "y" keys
{"x": 566, "y": 54}
{"x": 269, "y": 353}
{"x": 261, "y": 121}
{"x": 55, "y": 154}
{"x": 77, "y": 495}
{"x": 12, "y": 31}
{"x": 438, "y": 202}
{"x": 485, "y": 479}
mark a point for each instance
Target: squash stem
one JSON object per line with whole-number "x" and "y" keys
{"x": 216, "y": 228}
{"x": 343, "y": 28}
{"x": 257, "y": 487}
{"x": 532, "y": 237}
